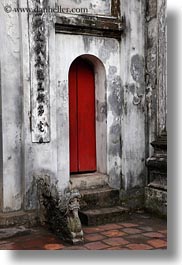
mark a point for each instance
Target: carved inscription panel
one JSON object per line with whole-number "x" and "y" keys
{"x": 39, "y": 63}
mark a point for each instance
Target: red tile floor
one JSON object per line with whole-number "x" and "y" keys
{"x": 141, "y": 232}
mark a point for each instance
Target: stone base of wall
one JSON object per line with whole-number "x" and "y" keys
{"x": 27, "y": 219}
{"x": 133, "y": 198}
{"x": 156, "y": 201}
{"x": 156, "y": 190}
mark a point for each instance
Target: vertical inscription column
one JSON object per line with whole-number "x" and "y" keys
{"x": 39, "y": 63}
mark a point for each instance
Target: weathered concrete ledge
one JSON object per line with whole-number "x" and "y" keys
{"x": 19, "y": 218}
{"x": 88, "y": 25}
{"x": 6, "y": 233}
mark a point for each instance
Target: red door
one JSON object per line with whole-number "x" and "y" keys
{"x": 82, "y": 117}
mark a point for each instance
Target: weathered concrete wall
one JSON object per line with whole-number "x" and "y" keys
{"x": 1, "y": 150}
{"x": 156, "y": 45}
{"x": 23, "y": 160}
{"x": 52, "y": 158}
{"x": 40, "y": 159}
{"x": 156, "y": 69}
{"x": 107, "y": 51}
{"x": 118, "y": 107}
{"x": 162, "y": 65}
{"x": 132, "y": 60}
{"x": 11, "y": 99}
{"x": 151, "y": 71}
{"x": 127, "y": 87}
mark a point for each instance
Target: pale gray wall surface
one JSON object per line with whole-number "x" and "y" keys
{"x": 133, "y": 104}
{"x": 11, "y": 98}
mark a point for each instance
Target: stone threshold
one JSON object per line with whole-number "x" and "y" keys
{"x": 89, "y": 180}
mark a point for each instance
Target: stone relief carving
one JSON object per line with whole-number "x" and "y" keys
{"x": 74, "y": 223}
{"x": 60, "y": 211}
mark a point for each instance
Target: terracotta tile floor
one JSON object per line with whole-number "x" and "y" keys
{"x": 141, "y": 232}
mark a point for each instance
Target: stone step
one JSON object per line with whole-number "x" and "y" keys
{"x": 99, "y": 198}
{"x": 88, "y": 181}
{"x": 104, "y": 215}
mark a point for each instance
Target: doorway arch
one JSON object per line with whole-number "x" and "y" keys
{"x": 87, "y": 115}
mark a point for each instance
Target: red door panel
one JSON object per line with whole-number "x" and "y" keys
{"x": 73, "y": 129}
{"x": 82, "y": 117}
{"x": 86, "y": 117}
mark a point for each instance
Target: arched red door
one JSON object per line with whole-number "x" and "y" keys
{"x": 82, "y": 117}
